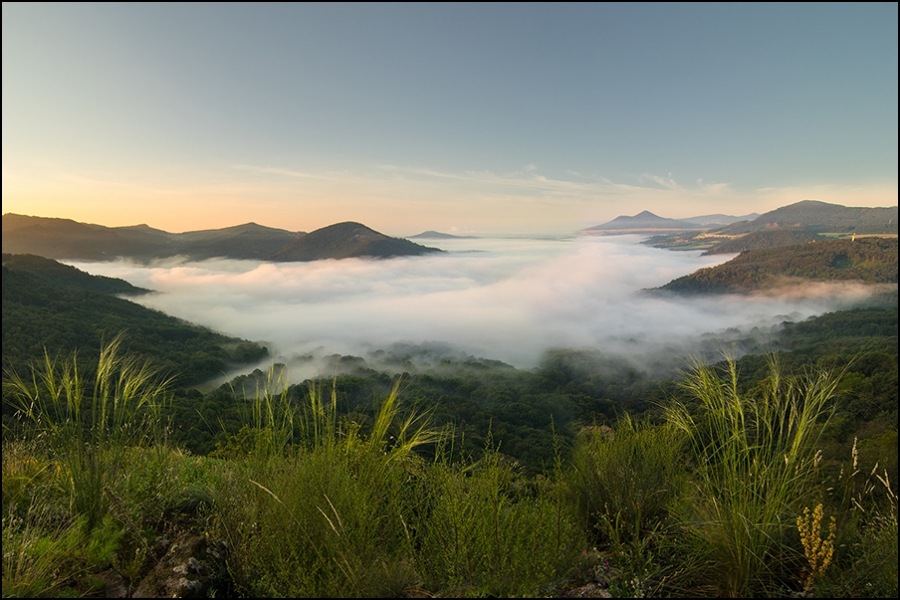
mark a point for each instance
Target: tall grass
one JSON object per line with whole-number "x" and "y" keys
{"x": 866, "y": 561}
{"x": 874, "y": 572}
{"x": 754, "y": 460}
{"x": 326, "y": 517}
{"x": 625, "y": 481}
{"x": 351, "y": 509}
{"x": 90, "y": 420}
{"x": 488, "y": 532}
{"x": 45, "y": 558}
{"x": 270, "y": 426}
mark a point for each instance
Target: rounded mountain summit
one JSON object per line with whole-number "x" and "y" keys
{"x": 347, "y": 240}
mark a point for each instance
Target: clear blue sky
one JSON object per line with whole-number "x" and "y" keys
{"x": 466, "y": 118}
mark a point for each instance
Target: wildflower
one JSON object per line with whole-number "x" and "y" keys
{"x": 819, "y": 551}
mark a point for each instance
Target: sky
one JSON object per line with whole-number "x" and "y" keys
{"x": 474, "y": 118}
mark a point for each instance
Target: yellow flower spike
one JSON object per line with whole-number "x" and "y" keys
{"x": 818, "y": 551}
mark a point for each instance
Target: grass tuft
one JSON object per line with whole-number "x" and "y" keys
{"x": 89, "y": 423}
{"x": 754, "y": 457}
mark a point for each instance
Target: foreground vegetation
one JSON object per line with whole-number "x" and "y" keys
{"x": 730, "y": 488}
{"x": 773, "y": 475}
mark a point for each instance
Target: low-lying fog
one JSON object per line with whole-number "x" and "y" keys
{"x": 504, "y": 299}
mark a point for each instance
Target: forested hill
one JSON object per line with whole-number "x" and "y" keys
{"x": 866, "y": 260}
{"x": 348, "y": 240}
{"x": 38, "y": 313}
{"x": 820, "y": 217}
{"x": 67, "y": 239}
{"x": 55, "y": 273}
{"x": 805, "y": 219}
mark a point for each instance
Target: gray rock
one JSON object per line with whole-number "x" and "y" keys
{"x": 192, "y": 566}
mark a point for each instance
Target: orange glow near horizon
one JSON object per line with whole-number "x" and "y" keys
{"x": 396, "y": 205}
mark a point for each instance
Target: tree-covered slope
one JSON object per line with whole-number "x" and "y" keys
{"x": 866, "y": 260}
{"x": 39, "y": 315}
{"x": 869, "y": 329}
{"x": 55, "y": 273}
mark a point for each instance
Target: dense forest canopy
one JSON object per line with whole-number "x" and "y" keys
{"x": 763, "y": 239}
{"x": 57, "y": 274}
{"x": 59, "y": 309}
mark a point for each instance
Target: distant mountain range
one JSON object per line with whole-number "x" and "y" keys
{"x": 643, "y": 221}
{"x": 67, "y": 239}
{"x": 807, "y": 220}
{"x": 436, "y": 235}
{"x": 807, "y": 216}
{"x": 646, "y": 221}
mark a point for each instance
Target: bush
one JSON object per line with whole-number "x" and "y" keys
{"x": 624, "y": 481}
{"x": 90, "y": 422}
{"x": 488, "y": 532}
{"x": 755, "y": 461}
{"x": 325, "y": 517}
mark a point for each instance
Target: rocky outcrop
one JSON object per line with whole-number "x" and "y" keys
{"x": 191, "y": 567}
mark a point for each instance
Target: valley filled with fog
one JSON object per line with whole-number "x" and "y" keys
{"x": 502, "y": 299}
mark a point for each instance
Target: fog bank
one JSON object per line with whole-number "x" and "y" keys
{"x": 503, "y": 299}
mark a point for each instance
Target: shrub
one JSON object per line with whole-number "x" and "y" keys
{"x": 625, "y": 480}
{"x": 325, "y": 518}
{"x": 89, "y": 423}
{"x": 488, "y": 532}
{"x": 755, "y": 457}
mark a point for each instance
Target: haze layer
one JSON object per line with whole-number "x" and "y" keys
{"x": 506, "y": 299}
